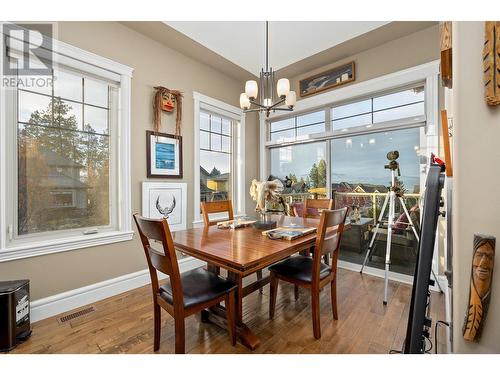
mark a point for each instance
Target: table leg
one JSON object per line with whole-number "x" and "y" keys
{"x": 246, "y": 336}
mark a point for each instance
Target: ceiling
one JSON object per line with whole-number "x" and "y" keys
{"x": 243, "y": 42}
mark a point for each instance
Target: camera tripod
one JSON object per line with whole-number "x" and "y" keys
{"x": 390, "y": 198}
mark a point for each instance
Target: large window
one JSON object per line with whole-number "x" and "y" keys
{"x": 63, "y": 154}
{"x": 379, "y": 109}
{"x": 304, "y": 165}
{"x": 360, "y": 182}
{"x": 64, "y": 151}
{"x": 298, "y": 126}
{"x": 346, "y": 162}
{"x": 215, "y": 157}
{"x": 219, "y": 162}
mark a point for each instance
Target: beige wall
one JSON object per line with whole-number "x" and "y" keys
{"x": 476, "y": 203}
{"x": 154, "y": 64}
{"x": 406, "y": 52}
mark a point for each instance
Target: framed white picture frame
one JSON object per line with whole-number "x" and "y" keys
{"x": 165, "y": 199}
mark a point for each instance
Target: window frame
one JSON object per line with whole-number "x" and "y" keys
{"x": 422, "y": 75}
{"x": 92, "y": 65}
{"x": 204, "y": 103}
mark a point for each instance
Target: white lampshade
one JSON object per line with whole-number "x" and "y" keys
{"x": 283, "y": 87}
{"x": 244, "y": 101}
{"x": 291, "y": 99}
{"x": 251, "y": 89}
{"x": 268, "y": 102}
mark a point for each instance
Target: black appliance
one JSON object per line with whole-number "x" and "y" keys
{"x": 14, "y": 313}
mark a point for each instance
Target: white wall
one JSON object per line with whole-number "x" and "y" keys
{"x": 476, "y": 199}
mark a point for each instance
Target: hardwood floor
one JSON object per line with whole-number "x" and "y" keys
{"x": 124, "y": 323}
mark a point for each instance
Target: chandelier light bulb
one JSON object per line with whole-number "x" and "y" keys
{"x": 244, "y": 101}
{"x": 283, "y": 87}
{"x": 291, "y": 99}
{"x": 251, "y": 89}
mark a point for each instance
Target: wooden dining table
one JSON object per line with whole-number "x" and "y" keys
{"x": 242, "y": 252}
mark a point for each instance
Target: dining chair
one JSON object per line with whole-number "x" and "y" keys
{"x": 183, "y": 294}
{"x": 312, "y": 273}
{"x": 315, "y": 205}
{"x": 312, "y": 208}
{"x": 208, "y": 208}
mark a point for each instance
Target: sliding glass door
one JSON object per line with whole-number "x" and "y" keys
{"x": 360, "y": 182}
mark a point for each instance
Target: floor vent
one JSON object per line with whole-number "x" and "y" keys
{"x": 77, "y": 314}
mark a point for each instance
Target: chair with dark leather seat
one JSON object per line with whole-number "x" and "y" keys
{"x": 310, "y": 272}
{"x": 183, "y": 294}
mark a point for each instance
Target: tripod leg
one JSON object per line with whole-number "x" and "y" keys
{"x": 372, "y": 241}
{"x": 388, "y": 247}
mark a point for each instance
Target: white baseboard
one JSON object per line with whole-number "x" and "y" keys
{"x": 372, "y": 271}
{"x": 46, "y": 307}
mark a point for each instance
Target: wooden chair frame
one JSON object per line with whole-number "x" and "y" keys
{"x": 328, "y": 241}
{"x": 166, "y": 263}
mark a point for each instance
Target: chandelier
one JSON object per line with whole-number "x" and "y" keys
{"x": 281, "y": 100}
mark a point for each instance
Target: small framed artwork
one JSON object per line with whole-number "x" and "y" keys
{"x": 165, "y": 200}
{"x": 327, "y": 80}
{"x": 164, "y": 155}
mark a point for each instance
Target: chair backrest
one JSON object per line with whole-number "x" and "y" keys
{"x": 216, "y": 207}
{"x": 316, "y": 204}
{"x": 164, "y": 261}
{"x": 331, "y": 227}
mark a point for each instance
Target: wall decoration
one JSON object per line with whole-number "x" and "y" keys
{"x": 327, "y": 80}
{"x": 491, "y": 62}
{"x": 446, "y": 54}
{"x": 446, "y": 143}
{"x": 164, "y": 155}
{"x": 165, "y": 200}
{"x": 483, "y": 259}
{"x": 166, "y": 100}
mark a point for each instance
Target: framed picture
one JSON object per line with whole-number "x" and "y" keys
{"x": 164, "y": 155}
{"x": 165, "y": 200}
{"x": 327, "y": 80}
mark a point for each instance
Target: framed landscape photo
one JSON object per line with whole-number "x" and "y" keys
{"x": 164, "y": 155}
{"x": 330, "y": 79}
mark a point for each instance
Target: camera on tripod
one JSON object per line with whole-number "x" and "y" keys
{"x": 393, "y": 165}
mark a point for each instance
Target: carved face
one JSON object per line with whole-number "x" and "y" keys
{"x": 482, "y": 268}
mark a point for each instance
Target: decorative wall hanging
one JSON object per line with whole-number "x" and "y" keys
{"x": 327, "y": 80}
{"x": 491, "y": 62}
{"x": 165, "y": 200}
{"x": 167, "y": 100}
{"x": 483, "y": 260}
{"x": 164, "y": 155}
{"x": 446, "y": 54}
{"x": 446, "y": 143}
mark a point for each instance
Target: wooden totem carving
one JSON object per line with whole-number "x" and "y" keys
{"x": 480, "y": 286}
{"x": 446, "y": 54}
{"x": 167, "y": 100}
{"x": 491, "y": 62}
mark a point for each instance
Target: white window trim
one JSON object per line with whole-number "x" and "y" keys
{"x": 219, "y": 107}
{"x": 427, "y": 73}
{"x": 86, "y": 61}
